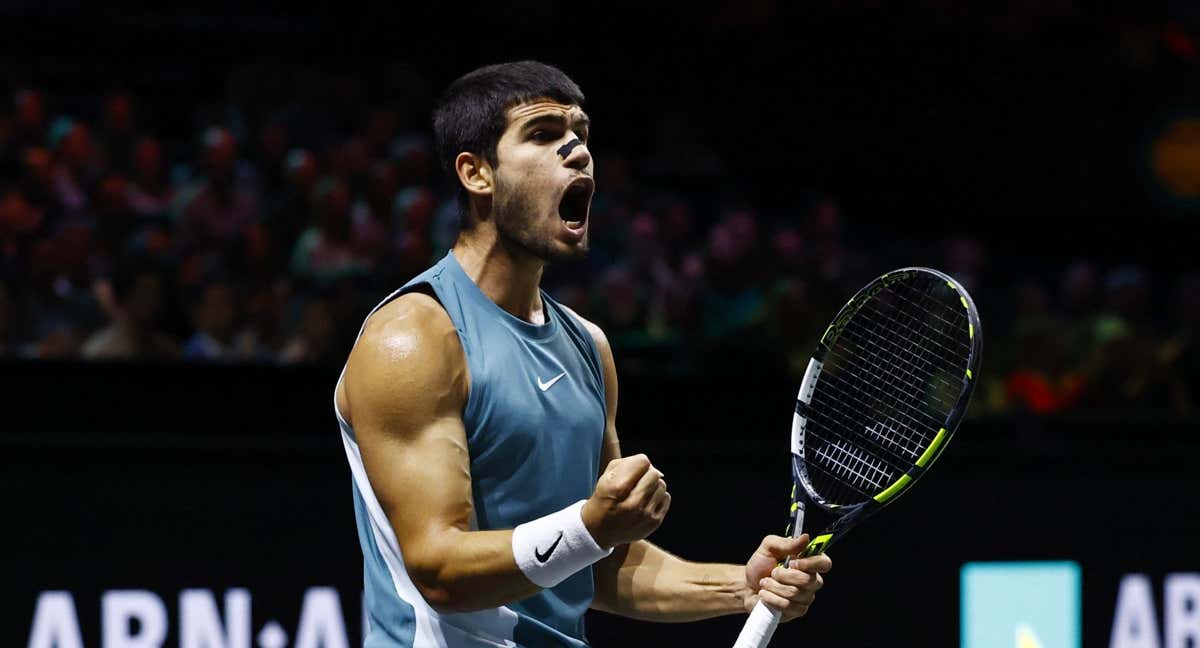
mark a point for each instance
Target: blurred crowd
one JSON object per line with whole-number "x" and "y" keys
{"x": 268, "y": 244}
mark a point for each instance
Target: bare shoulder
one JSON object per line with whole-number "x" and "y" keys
{"x": 413, "y": 323}
{"x": 407, "y": 359}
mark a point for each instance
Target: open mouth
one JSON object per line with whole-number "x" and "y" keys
{"x": 576, "y": 201}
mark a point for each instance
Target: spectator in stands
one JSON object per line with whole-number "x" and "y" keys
{"x": 53, "y": 339}
{"x": 624, "y": 307}
{"x": 134, "y": 332}
{"x": 326, "y": 251}
{"x": 1042, "y": 382}
{"x": 118, "y": 137}
{"x": 114, "y": 216}
{"x": 75, "y": 166}
{"x": 149, "y": 191}
{"x": 19, "y": 224}
{"x": 215, "y": 211}
{"x": 1117, "y": 369}
{"x": 677, "y": 224}
{"x": 353, "y": 215}
{"x": 37, "y": 179}
{"x": 213, "y": 314}
{"x": 370, "y": 216}
{"x": 684, "y": 300}
{"x": 350, "y": 162}
{"x": 411, "y": 153}
{"x": 261, "y": 336}
{"x": 735, "y": 301}
{"x": 647, "y": 257}
{"x": 59, "y": 299}
{"x": 412, "y": 223}
{"x": 312, "y": 341}
{"x": 289, "y": 214}
{"x": 270, "y": 159}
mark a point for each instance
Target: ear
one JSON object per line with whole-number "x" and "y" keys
{"x": 474, "y": 173}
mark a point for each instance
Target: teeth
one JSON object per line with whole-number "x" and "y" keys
{"x": 574, "y": 224}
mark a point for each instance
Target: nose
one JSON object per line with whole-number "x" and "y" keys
{"x": 576, "y": 155}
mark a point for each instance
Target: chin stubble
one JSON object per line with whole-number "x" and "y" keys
{"x": 516, "y": 230}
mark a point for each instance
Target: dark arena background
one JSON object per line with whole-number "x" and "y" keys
{"x": 240, "y": 186}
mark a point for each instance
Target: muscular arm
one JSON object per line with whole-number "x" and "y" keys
{"x": 642, "y": 581}
{"x": 404, "y": 389}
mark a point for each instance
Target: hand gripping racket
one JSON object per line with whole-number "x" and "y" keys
{"x": 882, "y": 395}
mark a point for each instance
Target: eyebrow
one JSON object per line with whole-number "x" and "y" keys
{"x": 558, "y": 119}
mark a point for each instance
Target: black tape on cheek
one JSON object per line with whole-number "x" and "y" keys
{"x": 565, "y": 149}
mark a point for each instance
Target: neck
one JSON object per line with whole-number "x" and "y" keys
{"x": 508, "y": 276}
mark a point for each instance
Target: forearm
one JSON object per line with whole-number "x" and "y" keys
{"x": 644, "y": 582}
{"x": 466, "y": 570}
{"x": 469, "y": 570}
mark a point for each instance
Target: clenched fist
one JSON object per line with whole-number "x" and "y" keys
{"x": 630, "y": 501}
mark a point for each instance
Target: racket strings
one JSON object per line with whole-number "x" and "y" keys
{"x": 870, "y": 350}
{"x": 895, "y": 444}
{"x": 954, "y": 323}
{"x": 902, "y": 402}
{"x": 925, "y": 343}
{"x": 910, "y": 350}
{"x": 895, "y": 441}
{"x": 903, "y": 356}
{"x": 924, "y": 364}
{"x": 887, "y": 387}
{"x": 834, "y": 476}
{"x": 853, "y": 465}
{"x": 876, "y": 348}
{"x": 916, "y": 336}
{"x": 853, "y": 479}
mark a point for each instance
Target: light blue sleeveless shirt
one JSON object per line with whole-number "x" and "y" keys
{"x": 534, "y": 420}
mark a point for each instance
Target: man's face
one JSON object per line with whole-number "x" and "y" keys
{"x": 540, "y": 199}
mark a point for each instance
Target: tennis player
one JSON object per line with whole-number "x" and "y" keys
{"x": 478, "y": 415}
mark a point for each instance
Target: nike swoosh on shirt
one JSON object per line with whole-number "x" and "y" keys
{"x": 547, "y": 385}
{"x": 543, "y": 557}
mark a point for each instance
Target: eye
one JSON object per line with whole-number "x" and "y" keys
{"x": 543, "y": 136}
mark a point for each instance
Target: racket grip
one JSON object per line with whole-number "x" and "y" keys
{"x": 759, "y": 628}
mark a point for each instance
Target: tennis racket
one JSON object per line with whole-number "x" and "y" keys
{"x": 882, "y": 395}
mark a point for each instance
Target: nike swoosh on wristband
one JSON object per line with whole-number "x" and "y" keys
{"x": 547, "y": 385}
{"x": 543, "y": 557}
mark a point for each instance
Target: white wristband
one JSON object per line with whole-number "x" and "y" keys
{"x": 554, "y": 546}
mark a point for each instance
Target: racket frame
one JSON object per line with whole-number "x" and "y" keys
{"x": 760, "y": 626}
{"x": 804, "y": 494}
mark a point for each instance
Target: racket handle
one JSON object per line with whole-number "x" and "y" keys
{"x": 759, "y": 627}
